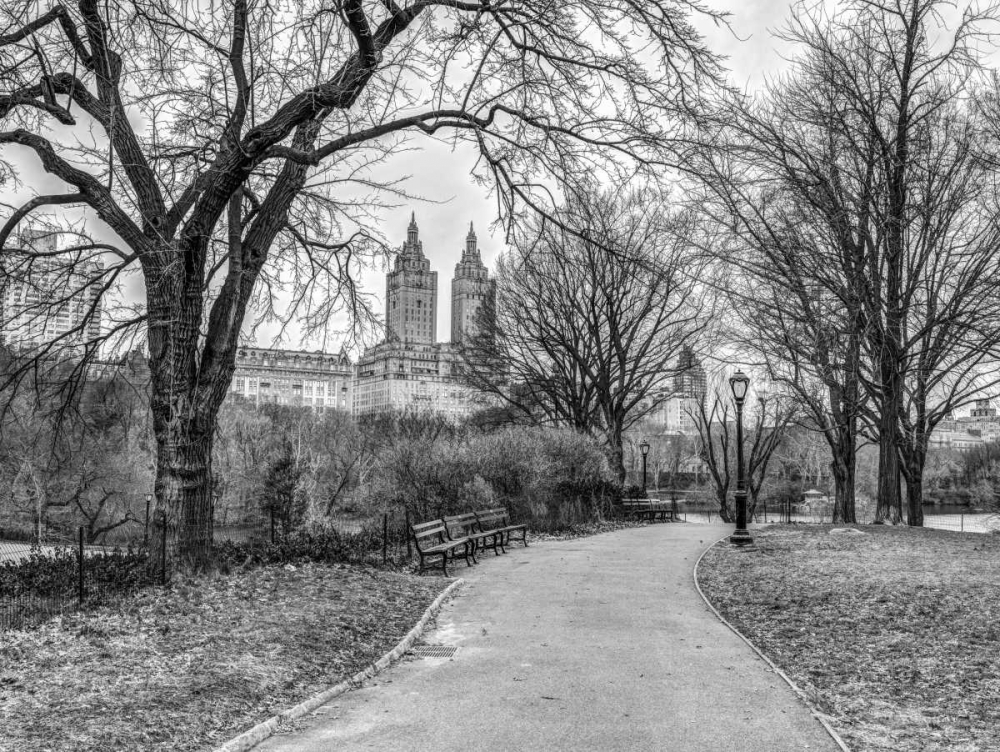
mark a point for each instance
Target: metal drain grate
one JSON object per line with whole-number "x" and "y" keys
{"x": 433, "y": 651}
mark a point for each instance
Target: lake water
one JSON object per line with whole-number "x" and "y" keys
{"x": 943, "y": 517}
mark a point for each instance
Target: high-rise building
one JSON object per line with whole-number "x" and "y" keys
{"x": 471, "y": 289}
{"x": 411, "y": 294}
{"x": 410, "y": 370}
{"x": 49, "y": 297}
{"x": 293, "y": 377}
{"x": 675, "y": 413}
{"x": 691, "y": 380}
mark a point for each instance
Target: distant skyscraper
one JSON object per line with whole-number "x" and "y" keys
{"x": 411, "y": 294}
{"x": 691, "y": 381}
{"x": 470, "y": 290}
{"x": 689, "y": 386}
{"x": 410, "y": 370}
{"x": 50, "y": 296}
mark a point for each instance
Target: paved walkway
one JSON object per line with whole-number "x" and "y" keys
{"x": 600, "y": 643}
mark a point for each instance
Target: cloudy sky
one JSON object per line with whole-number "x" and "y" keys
{"x": 441, "y": 175}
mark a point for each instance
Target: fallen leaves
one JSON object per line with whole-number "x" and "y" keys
{"x": 189, "y": 666}
{"x": 894, "y": 633}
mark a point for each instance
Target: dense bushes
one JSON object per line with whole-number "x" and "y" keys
{"x": 56, "y": 573}
{"x": 317, "y": 541}
{"x": 548, "y": 478}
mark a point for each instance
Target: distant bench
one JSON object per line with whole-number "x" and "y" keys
{"x": 648, "y": 509}
{"x": 464, "y": 535}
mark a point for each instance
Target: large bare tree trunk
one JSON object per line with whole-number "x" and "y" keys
{"x": 843, "y": 467}
{"x": 888, "y": 501}
{"x": 915, "y": 499}
{"x": 187, "y": 384}
{"x": 183, "y": 491}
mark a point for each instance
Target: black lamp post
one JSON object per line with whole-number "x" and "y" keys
{"x": 739, "y": 382}
{"x": 145, "y": 527}
{"x": 644, "y": 448}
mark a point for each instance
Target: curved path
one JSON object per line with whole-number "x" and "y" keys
{"x": 599, "y": 643}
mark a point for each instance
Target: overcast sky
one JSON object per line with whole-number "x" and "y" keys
{"x": 442, "y": 175}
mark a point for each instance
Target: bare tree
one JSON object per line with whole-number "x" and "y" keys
{"x": 590, "y": 315}
{"x": 844, "y": 185}
{"x": 233, "y": 150}
{"x": 715, "y": 448}
{"x": 770, "y": 418}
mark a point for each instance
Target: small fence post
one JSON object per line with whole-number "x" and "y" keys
{"x": 385, "y": 537}
{"x": 961, "y": 521}
{"x": 272, "y": 527}
{"x": 765, "y": 512}
{"x": 163, "y": 549}
{"x": 80, "y": 592}
{"x": 406, "y": 533}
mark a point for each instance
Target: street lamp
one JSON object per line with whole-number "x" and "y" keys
{"x": 644, "y": 448}
{"x": 739, "y": 382}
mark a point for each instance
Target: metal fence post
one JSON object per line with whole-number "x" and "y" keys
{"x": 406, "y": 533}
{"x": 163, "y": 550}
{"x": 385, "y": 537}
{"x": 145, "y": 526}
{"x": 272, "y": 527}
{"x": 80, "y": 592}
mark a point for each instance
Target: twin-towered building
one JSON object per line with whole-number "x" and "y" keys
{"x": 410, "y": 369}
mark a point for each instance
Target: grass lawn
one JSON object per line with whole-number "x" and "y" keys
{"x": 189, "y": 666}
{"x": 895, "y": 633}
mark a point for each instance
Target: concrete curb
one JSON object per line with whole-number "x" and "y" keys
{"x": 260, "y": 732}
{"x": 821, "y": 717}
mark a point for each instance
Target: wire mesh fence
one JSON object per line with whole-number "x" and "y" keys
{"x": 54, "y": 574}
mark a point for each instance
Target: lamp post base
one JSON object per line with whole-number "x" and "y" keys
{"x": 740, "y": 538}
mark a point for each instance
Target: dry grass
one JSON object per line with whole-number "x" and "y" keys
{"x": 189, "y": 666}
{"x": 894, "y": 633}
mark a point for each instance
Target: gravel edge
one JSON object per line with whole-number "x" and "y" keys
{"x": 254, "y": 736}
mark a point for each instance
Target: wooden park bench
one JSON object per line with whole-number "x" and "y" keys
{"x": 431, "y": 540}
{"x": 498, "y": 521}
{"x": 664, "y": 510}
{"x": 467, "y": 526}
{"x": 648, "y": 509}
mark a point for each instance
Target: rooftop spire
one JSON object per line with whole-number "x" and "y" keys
{"x": 470, "y": 245}
{"x": 411, "y": 231}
